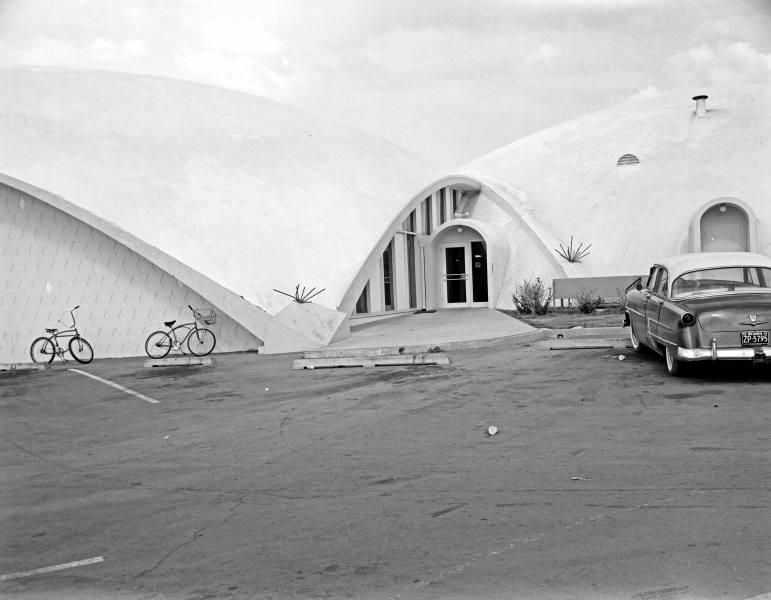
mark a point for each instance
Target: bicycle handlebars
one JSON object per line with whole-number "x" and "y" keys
{"x": 72, "y": 314}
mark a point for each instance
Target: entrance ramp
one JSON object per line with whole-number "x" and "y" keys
{"x": 434, "y": 331}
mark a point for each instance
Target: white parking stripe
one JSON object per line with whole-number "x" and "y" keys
{"x": 116, "y": 386}
{"x": 62, "y": 567}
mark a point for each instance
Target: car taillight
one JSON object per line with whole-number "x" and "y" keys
{"x": 688, "y": 319}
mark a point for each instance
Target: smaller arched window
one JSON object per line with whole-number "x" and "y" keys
{"x": 628, "y": 159}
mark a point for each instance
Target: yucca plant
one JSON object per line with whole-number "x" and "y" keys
{"x": 572, "y": 254}
{"x": 301, "y": 297}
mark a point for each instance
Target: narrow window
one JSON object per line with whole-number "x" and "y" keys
{"x": 455, "y": 202}
{"x": 412, "y": 272}
{"x": 388, "y": 292}
{"x": 409, "y": 223}
{"x": 442, "y": 207}
{"x": 362, "y": 304}
{"x": 427, "y": 216}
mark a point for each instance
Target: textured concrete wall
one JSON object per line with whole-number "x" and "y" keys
{"x": 51, "y": 262}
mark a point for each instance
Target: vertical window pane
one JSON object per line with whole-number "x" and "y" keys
{"x": 409, "y": 222}
{"x": 388, "y": 295}
{"x": 479, "y": 271}
{"x": 455, "y": 268}
{"x": 412, "y": 272}
{"x": 442, "y": 207}
{"x": 362, "y": 304}
{"x": 427, "y": 216}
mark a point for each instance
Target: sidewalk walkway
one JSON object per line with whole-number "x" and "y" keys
{"x": 442, "y": 328}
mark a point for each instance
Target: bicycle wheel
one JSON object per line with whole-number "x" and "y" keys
{"x": 42, "y": 350}
{"x": 158, "y": 344}
{"x": 200, "y": 342}
{"x": 81, "y": 350}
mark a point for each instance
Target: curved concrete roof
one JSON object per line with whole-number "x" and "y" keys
{"x": 252, "y": 194}
{"x": 566, "y": 177}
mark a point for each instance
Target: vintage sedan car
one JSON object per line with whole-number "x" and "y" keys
{"x": 710, "y": 306}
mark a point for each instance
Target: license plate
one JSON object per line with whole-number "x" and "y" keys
{"x": 754, "y": 338}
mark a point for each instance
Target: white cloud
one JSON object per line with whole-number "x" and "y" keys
{"x": 235, "y": 35}
{"x": 235, "y": 72}
{"x": 106, "y": 50}
{"x": 644, "y": 94}
{"x": 544, "y": 55}
{"x": 727, "y": 64}
{"x": 42, "y": 51}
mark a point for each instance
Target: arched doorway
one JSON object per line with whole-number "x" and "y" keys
{"x": 462, "y": 266}
{"x": 724, "y": 228}
{"x": 464, "y": 274}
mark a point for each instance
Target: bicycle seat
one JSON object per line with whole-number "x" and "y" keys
{"x": 51, "y": 330}
{"x": 169, "y": 323}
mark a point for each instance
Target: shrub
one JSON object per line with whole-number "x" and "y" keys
{"x": 587, "y": 301}
{"x": 532, "y": 297}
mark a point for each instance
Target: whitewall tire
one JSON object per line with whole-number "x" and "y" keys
{"x": 674, "y": 366}
{"x": 635, "y": 341}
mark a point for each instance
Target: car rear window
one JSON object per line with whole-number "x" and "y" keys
{"x": 723, "y": 280}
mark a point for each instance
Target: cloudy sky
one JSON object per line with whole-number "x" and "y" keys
{"x": 448, "y": 79}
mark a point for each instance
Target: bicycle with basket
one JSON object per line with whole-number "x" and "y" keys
{"x": 45, "y": 348}
{"x": 199, "y": 340}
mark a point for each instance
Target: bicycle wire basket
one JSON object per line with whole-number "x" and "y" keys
{"x": 205, "y": 315}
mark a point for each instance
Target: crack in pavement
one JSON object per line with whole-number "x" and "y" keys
{"x": 196, "y": 534}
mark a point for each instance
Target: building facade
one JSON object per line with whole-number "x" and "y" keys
{"x": 134, "y": 196}
{"x": 633, "y": 183}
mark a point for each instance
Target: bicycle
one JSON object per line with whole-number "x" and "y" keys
{"x": 199, "y": 340}
{"x": 43, "y": 349}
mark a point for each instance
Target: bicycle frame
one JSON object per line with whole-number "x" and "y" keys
{"x": 189, "y": 329}
{"x": 65, "y": 333}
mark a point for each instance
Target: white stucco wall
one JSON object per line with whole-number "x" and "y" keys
{"x": 51, "y": 262}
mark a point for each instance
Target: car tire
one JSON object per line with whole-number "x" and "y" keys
{"x": 637, "y": 345}
{"x": 675, "y": 367}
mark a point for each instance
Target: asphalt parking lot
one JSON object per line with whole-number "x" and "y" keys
{"x": 606, "y": 478}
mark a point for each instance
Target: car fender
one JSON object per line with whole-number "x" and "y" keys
{"x": 671, "y": 330}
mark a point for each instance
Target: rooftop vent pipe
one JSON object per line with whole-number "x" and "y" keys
{"x": 701, "y": 105}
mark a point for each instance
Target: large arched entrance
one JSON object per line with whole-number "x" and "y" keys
{"x": 724, "y": 228}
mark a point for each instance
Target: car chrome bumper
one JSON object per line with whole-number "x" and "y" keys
{"x": 751, "y": 353}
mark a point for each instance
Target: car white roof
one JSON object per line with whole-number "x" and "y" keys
{"x": 682, "y": 263}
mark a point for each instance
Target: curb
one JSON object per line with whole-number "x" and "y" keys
{"x": 23, "y": 367}
{"x": 178, "y": 361}
{"x": 382, "y": 360}
{"x": 611, "y": 334}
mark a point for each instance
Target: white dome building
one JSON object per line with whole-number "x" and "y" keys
{"x": 134, "y": 196}
{"x": 636, "y": 182}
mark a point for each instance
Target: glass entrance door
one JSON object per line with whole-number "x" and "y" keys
{"x": 455, "y": 275}
{"x": 464, "y": 274}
